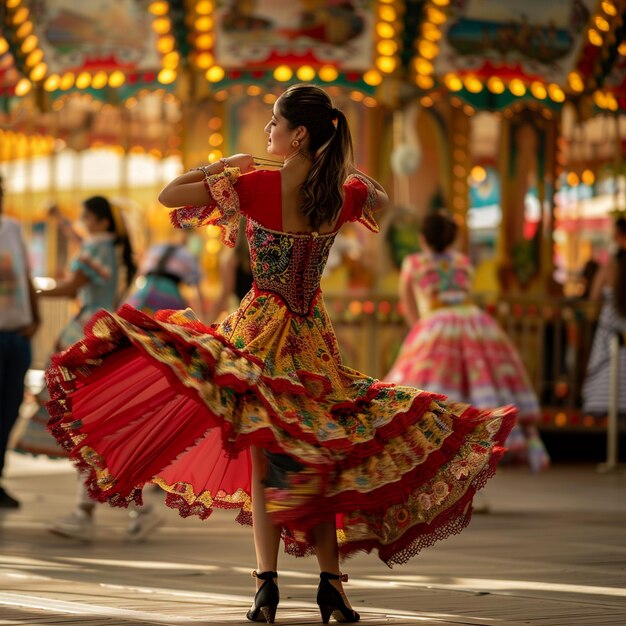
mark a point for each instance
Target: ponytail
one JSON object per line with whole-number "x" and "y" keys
{"x": 329, "y": 147}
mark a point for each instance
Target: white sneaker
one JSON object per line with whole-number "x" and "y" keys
{"x": 142, "y": 523}
{"x": 78, "y": 525}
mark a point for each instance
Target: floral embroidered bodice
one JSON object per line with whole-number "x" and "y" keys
{"x": 288, "y": 264}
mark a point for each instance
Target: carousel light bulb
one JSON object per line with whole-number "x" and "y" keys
{"x": 214, "y": 74}
{"x": 595, "y": 38}
{"x": 100, "y": 80}
{"x": 23, "y": 87}
{"x": 538, "y": 90}
{"x": 29, "y": 44}
{"x": 428, "y": 49}
{"x": 517, "y": 87}
{"x": 83, "y": 80}
{"x": 305, "y": 73}
{"x": 21, "y": 15}
{"x": 478, "y": 174}
{"x": 423, "y": 66}
{"x": 386, "y": 47}
{"x": 24, "y": 30}
{"x": 52, "y": 82}
{"x": 203, "y": 24}
{"x": 166, "y": 76}
{"x": 572, "y": 179}
{"x": 165, "y": 44}
{"x": 588, "y": 177}
{"x": 204, "y": 60}
{"x": 170, "y": 60}
{"x": 622, "y": 48}
{"x": 431, "y": 32}
{"x": 424, "y": 82}
{"x": 372, "y": 78}
{"x": 204, "y": 41}
{"x": 473, "y": 84}
{"x": 283, "y": 73}
{"x": 328, "y": 73}
{"x": 386, "y": 64}
{"x": 453, "y": 82}
{"x": 436, "y": 16}
{"x": 4, "y": 45}
{"x": 609, "y": 8}
{"x": 216, "y": 140}
{"x": 34, "y": 57}
{"x": 441, "y": 3}
{"x": 602, "y": 23}
{"x": 556, "y": 93}
{"x": 387, "y": 13}
{"x": 12, "y": 4}
{"x": 495, "y": 85}
{"x": 117, "y": 79}
{"x": 160, "y": 7}
{"x": 204, "y": 7}
{"x": 575, "y": 81}
{"x": 253, "y": 90}
{"x": 67, "y": 81}
{"x": 162, "y": 25}
{"x": 38, "y": 72}
{"x": 214, "y": 156}
{"x": 385, "y": 30}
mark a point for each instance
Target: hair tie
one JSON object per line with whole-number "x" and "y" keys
{"x": 334, "y": 116}
{"x": 118, "y": 221}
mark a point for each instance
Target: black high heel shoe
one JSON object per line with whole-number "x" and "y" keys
{"x": 265, "y": 600}
{"x": 331, "y": 602}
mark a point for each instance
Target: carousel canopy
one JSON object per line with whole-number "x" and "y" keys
{"x": 490, "y": 53}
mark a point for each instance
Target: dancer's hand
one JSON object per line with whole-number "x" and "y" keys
{"x": 245, "y": 162}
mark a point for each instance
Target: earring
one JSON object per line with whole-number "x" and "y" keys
{"x": 295, "y": 143}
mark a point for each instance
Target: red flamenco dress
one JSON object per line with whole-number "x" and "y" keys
{"x": 170, "y": 400}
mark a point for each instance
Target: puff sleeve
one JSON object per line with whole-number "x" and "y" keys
{"x": 361, "y": 194}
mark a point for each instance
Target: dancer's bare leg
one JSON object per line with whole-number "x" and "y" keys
{"x": 266, "y": 534}
{"x": 327, "y": 552}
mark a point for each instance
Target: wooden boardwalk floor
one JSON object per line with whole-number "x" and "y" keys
{"x": 552, "y": 552}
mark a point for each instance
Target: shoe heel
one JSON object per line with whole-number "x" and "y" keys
{"x": 326, "y": 612}
{"x": 269, "y": 612}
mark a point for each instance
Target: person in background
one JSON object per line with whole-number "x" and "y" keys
{"x": 609, "y": 286}
{"x": 19, "y": 320}
{"x": 99, "y": 276}
{"x": 162, "y": 271}
{"x": 455, "y": 348}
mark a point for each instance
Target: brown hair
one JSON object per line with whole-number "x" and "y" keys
{"x": 330, "y": 148}
{"x": 439, "y": 231}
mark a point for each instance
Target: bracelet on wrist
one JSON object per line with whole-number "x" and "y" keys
{"x": 225, "y": 162}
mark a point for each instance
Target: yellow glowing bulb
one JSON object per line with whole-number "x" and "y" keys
{"x": 609, "y": 8}
{"x": 166, "y": 76}
{"x": 622, "y": 48}
{"x": 203, "y": 24}
{"x": 386, "y": 64}
{"x": 431, "y": 32}
{"x": 572, "y": 179}
{"x": 11, "y": 4}
{"x": 34, "y": 57}
{"x": 38, "y": 72}
{"x": 214, "y": 155}
{"x": 428, "y": 49}
{"x": 441, "y": 3}
{"x": 30, "y": 43}
{"x": 478, "y": 174}
{"x": 453, "y": 82}
{"x": 517, "y": 87}
{"x": 436, "y": 16}
{"x": 165, "y": 44}
{"x": 204, "y": 41}
{"x": 23, "y": 87}
{"x": 24, "y": 30}
{"x": 423, "y": 66}
{"x": 495, "y": 85}
{"x": 372, "y": 78}
{"x": 424, "y": 82}
{"x": 556, "y": 93}
{"x": 159, "y": 8}
{"x": 575, "y": 81}
{"x": 328, "y": 73}
{"x": 386, "y": 47}
{"x": 214, "y": 74}
{"x": 602, "y": 23}
{"x": 387, "y": 13}
{"x": 204, "y": 7}
{"x": 83, "y": 80}
{"x": 473, "y": 84}
{"x": 117, "y": 79}
{"x": 538, "y": 90}
{"x": 283, "y": 73}
{"x": 385, "y": 30}
{"x": 600, "y": 99}
{"x": 67, "y": 81}
{"x": 4, "y": 45}
{"x": 216, "y": 139}
{"x": 588, "y": 177}
{"x": 305, "y": 73}
{"x": 595, "y": 38}
{"x": 162, "y": 25}
{"x": 99, "y": 80}
{"x": 170, "y": 60}
{"x": 20, "y": 16}
{"x": 204, "y": 60}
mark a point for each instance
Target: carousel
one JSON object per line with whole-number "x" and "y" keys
{"x": 508, "y": 113}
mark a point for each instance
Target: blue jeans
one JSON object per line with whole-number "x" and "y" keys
{"x": 15, "y": 357}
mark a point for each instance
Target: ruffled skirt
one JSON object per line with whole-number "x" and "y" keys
{"x": 172, "y": 401}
